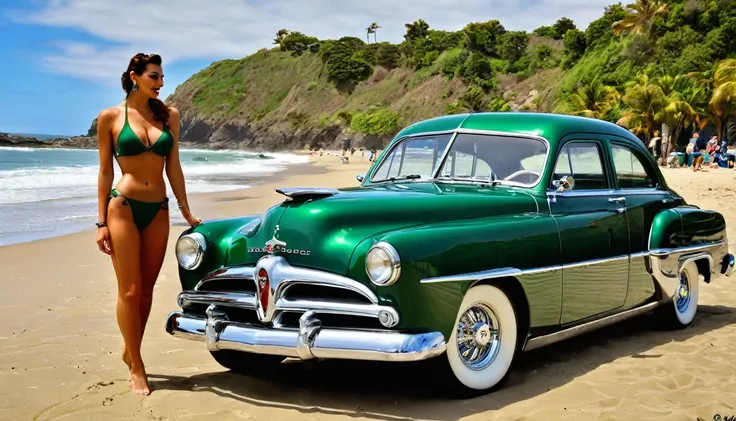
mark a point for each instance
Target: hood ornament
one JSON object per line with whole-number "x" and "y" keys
{"x": 274, "y": 243}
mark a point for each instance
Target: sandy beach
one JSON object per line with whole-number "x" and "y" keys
{"x": 60, "y": 345}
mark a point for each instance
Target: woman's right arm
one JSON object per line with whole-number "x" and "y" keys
{"x": 106, "y": 172}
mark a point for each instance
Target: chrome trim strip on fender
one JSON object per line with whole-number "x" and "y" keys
{"x": 310, "y": 340}
{"x": 510, "y": 271}
{"x": 545, "y": 340}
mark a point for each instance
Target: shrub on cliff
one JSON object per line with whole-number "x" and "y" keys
{"x": 378, "y": 121}
{"x": 347, "y": 60}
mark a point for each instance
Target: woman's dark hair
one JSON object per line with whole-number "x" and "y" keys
{"x": 138, "y": 64}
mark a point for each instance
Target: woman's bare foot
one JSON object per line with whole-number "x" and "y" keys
{"x": 139, "y": 382}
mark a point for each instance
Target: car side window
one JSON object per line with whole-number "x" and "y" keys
{"x": 632, "y": 172}
{"x": 584, "y": 162}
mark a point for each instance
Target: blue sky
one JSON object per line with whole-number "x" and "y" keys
{"x": 62, "y": 59}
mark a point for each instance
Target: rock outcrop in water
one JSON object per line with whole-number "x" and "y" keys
{"x": 75, "y": 142}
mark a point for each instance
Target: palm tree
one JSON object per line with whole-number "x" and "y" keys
{"x": 644, "y": 99}
{"x": 594, "y": 100}
{"x": 418, "y": 29}
{"x": 723, "y": 101}
{"x": 685, "y": 106}
{"x": 640, "y": 18}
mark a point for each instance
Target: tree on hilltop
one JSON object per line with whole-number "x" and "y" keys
{"x": 640, "y": 18}
{"x": 418, "y": 29}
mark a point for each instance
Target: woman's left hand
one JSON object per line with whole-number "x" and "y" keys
{"x": 192, "y": 221}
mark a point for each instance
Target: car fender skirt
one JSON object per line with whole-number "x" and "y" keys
{"x": 309, "y": 341}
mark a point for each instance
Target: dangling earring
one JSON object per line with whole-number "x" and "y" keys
{"x": 135, "y": 86}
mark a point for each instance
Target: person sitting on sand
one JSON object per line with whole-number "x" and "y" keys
{"x": 695, "y": 149}
{"x": 142, "y": 133}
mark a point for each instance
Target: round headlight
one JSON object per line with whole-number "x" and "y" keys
{"x": 382, "y": 264}
{"x": 190, "y": 250}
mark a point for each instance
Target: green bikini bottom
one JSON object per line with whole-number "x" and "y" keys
{"x": 143, "y": 212}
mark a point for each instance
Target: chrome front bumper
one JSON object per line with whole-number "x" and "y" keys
{"x": 310, "y": 340}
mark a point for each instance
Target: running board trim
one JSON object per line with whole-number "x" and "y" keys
{"x": 562, "y": 335}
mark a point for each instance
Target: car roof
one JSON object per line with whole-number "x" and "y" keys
{"x": 552, "y": 127}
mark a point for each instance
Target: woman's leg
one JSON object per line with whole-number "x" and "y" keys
{"x": 126, "y": 256}
{"x": 154, "y": 238}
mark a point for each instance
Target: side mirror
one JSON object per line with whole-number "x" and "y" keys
{"x": 360, "y": 178}
{"x": 567, "y": 182}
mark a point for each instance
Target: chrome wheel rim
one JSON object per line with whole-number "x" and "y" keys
{"x": 478, "y": 336}
{"x": 682, "y": 300}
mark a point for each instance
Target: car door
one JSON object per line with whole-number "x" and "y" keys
{"x": 637, "y": 181}
{"x": 594, "y": 236}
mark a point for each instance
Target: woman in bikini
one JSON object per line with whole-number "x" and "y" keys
{"x": 142, "y": 133}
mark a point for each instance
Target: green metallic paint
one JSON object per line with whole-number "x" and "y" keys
{"x": 464, "y": 246}
{"x": 238, "y": 253}
{"x": 442, "y": 229}
{"x": 331, "y": 227}
{"x": 219, "y": 235}
{"x": 666, "y": 229}
{"x": 700, "y": 226}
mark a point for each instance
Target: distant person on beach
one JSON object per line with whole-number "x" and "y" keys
{"x": 142, "y": 133}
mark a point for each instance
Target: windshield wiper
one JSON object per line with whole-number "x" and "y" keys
{"x": 406, "y": 177}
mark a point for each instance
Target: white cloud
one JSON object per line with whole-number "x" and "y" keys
{"x": 190, "y": 29}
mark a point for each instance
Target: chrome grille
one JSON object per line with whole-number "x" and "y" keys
{"x": 292, "y": 291}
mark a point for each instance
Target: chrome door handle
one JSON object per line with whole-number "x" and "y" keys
{"x": 617, "y": 199}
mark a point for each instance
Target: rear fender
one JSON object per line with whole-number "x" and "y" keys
{"x": 682, "y": 235}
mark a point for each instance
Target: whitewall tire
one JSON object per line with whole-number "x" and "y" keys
{"x": 483, "y": 341}
{"x": 680, "y": 311}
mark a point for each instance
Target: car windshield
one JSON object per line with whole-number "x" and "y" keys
{"x": 507, "y": 159}
{"x": 413, "y": 158}
{"x": 475, "y": 157}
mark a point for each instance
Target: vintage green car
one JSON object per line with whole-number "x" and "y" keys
{"x": 472, "y": 237}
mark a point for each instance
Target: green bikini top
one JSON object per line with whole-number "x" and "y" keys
{"x": 130, "y": 144}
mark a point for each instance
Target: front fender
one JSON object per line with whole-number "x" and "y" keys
{"x": 220, "y": 235}
{"x": 426, "y": 300}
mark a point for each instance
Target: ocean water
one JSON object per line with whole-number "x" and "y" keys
{"x": 50, "y": 192}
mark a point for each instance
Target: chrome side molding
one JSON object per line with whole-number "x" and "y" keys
{"x": 568, "y": 333}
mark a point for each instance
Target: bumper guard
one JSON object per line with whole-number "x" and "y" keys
{"x": 309, "y": 341}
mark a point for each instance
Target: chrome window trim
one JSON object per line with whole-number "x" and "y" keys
{"x": 454, "y": 133}
{"x": 403, "y": 139}
{"x": 632, "y": 148}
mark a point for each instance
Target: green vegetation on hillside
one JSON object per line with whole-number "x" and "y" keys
{"x": 642, "y": 65}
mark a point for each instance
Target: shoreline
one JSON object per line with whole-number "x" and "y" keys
{"x": 201, "y": 201}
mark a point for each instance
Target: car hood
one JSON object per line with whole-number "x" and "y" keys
{"x": 322, "y": 230}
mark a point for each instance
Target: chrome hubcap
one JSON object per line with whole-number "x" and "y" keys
{"x": 683, "y": 293}
{"x": 478, "y": 337}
